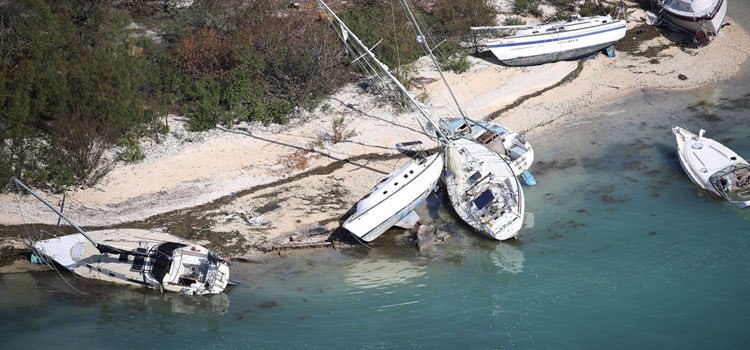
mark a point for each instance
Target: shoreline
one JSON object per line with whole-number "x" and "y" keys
{"x": 204, "y": 186}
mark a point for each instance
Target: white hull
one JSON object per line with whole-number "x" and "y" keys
{"x": 484, "y": 191}
{"x": 394, "y": 198}
{"x": 714, "y": 167}
{"x": 558, "y": 41}
{"x": 189, "y": 269}
{"x": 696, "y": 16}
{"x": 506, "y": 143}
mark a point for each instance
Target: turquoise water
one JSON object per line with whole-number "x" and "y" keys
{"x": 624, "y": 252}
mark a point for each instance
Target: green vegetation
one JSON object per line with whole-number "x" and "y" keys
{"x": 79, "y": 78}
{"x": 527, "y": 7}
{"x": 599, "y": 8}
{"x": 514, "y": 21}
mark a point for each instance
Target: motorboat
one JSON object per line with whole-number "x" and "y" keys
{"x": 135, "y": 257}
{"x": 695, "y": 16}
{"x": 483, "y": 190}
{"x": 505, "y": 142}
{"x": 713, "y": 166}
{"x": 575, "y": 38}
{"x": 392, "y": 201}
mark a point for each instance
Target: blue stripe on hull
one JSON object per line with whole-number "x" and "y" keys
{"x": 556, "y": 39}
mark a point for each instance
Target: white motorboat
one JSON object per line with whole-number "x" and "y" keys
{"x": 393, "y": 200}
{"x": 713, "y": 166}
{"x": 135, "y": 257}
{"x": 557, "y": 41}
{"x": 695, "y": 16}
{"x": 507, "y": 143}
{"x": 483, "y": 189}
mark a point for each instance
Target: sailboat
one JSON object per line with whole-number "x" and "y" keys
{"x": 392, "y": 201}
{"x": 507, "y": 143}
{"x": 497, "y": 210}
{"x": 134, "y": 257}
{"x": 713, "y": 166}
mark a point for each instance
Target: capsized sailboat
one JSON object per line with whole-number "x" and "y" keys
{"x": 392, "y": 201}
{"x": 135, "y": 257}
{"x": 470, "y": 154}
{"x": 713, "y": 166}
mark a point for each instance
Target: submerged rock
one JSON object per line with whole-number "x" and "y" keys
{"x": 428, "y": 236}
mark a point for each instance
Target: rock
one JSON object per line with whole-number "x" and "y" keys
{"x": 428, "y": 236}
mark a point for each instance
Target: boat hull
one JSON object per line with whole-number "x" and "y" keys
{"x": 710, "y": 22}
{"x": 506, "y": 221}
{"x": 703, "y": 158}
{"x": 567, "y": 55}
{"x": 370, "y": 222}
{"x": 573, "y": 42}
{"x": 506, "y": 143}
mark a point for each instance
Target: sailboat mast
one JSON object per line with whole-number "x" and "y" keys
{"x": 368, "y": 52}
{"x": 434, "y": 60}
{"x": 17, "y": 181}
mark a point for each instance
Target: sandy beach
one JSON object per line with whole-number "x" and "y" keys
{"x": 213, "y": 186}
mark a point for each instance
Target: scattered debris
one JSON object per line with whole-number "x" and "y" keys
{"x": 428, "y": 236}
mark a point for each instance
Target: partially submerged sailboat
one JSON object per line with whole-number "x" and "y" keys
{"x": 575, "y": 38}
{"x": 393, "y": 200}
{"x": 713, "y": 166}
{"x": 134, "y": 257}
{"x": 501, "y": 192}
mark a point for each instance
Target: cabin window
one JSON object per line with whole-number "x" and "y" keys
{"x": 385, "y": 192}
{"x": 395, "y": 184}
{"x": 406, "y": 176}
{"x": 604, "y": 21}
{"x": 411, "y": 171}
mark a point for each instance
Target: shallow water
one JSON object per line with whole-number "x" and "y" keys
{"x": 624, "y": 252}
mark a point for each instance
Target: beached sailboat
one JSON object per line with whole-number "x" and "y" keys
{"x": 713, "y": 166}
{"x": 575, "y": 38}
{"x": 393, "y": 200}
{"x": 505, "y": 142}
{"x": 499, "y": 185}
{"x": 483, "y": 190}
{"x": 695, "y": 16}
{"x": 134, "y": 257}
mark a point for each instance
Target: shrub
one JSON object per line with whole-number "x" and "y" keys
{"x": 527, "y": 6}
{"x": 514, "y": 21}
{"x": 590, "y": 8}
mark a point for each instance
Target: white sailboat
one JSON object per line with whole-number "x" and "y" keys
{"x": 507, "y": 143}
{"x": 393, "y": 200}
{"x": 135, "y": 257}
{"x": 557, "y": 41}
{"x": 483, "y": 190}
{"x": 470, "y": 155}
{"x": 713, "y": 166}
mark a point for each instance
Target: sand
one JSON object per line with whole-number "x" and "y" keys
{"x": 215, "y": 181}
